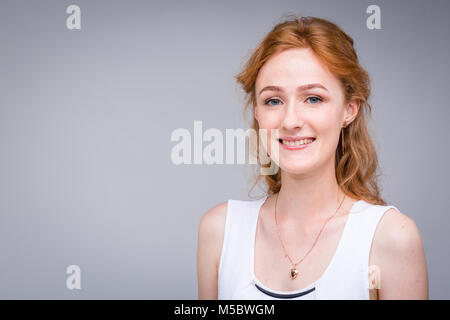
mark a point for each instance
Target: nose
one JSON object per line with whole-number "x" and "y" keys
{"x": 292, "y": 118}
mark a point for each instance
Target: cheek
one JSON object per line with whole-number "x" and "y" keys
{"x": 268, "y": 120}
{"x": 329, "y": 136}
{"x": 325, "y": 128}
{"x": 325, "y": 123}
{"x": 269, "y": 132}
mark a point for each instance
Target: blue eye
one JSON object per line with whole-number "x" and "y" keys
{"x": 267, "y": 102}
{"x": 317, "y": 99}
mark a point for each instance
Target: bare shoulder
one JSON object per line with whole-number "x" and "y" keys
{"x": 209, "y": 246}
{"x": 396, "y": 231}
{"x": 212, "y": 223}
{"x": 400, "y": 257}
{"x": 211, "y": 232}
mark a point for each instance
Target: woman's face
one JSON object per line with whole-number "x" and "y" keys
{"x": 297, "y": 94}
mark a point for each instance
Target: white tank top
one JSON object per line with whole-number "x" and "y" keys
{"x": 346, "y": 276}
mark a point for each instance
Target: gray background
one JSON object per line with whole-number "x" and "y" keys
{"x": 86, "y": 118}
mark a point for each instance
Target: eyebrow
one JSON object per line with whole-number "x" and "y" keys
{"x": 299, "y": 89}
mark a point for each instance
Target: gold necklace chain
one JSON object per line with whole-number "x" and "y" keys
{"x": 294, "y": 271}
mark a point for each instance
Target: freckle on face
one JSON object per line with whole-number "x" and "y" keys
{"x": 294, "y": 67}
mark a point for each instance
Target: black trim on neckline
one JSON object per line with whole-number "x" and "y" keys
{"x": 285, "y": 295}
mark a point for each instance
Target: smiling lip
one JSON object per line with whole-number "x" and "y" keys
{"x": 299, "y": 147}
{"x": 295, "y": 138}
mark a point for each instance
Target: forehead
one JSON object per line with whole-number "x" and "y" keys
{"x": 294, "y": 67}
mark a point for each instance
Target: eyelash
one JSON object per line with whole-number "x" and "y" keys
{"x": 320, "y": 99}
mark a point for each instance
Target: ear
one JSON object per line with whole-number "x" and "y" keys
{"x": 351, "y": 110}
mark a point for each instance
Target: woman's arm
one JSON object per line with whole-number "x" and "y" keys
{"x": 400, "y": 257}
{"x": 209, "y": 248}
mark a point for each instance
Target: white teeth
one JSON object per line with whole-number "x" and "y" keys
{"x": 298, "y": 142}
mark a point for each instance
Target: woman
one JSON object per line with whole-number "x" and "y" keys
{"x": 322, "y": 231}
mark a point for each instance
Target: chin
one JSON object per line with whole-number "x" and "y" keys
{"x": 295, "y": 168}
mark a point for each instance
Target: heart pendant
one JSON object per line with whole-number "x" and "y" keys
{"x": 294, "y": 273}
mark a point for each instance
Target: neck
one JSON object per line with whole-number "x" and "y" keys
{"x": 308, "y": 198}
